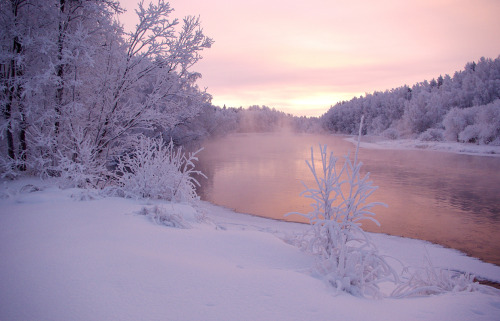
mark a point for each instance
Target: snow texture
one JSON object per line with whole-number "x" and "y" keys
{"x": 376, "y": 142}
{"x": 74, "y": 255}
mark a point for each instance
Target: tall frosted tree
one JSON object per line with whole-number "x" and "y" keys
{"x": 76, "y": 88}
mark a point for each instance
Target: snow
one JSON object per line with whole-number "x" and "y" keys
{"x": 71, "y": 254}
{"x": 376, "y": 142}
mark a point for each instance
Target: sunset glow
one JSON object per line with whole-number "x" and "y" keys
{"x": 302, "y": 57}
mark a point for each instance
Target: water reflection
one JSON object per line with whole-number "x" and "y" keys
{"x": 445, "y": 198}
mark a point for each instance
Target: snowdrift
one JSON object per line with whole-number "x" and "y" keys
{"x": 74, "y": 255}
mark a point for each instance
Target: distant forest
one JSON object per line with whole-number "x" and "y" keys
{"x": 462, "y": 108}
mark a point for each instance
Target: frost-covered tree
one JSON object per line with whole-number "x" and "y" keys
{"x": 152, "y": 86}
{"x": 349, "y": 260}
{"x": 83, "y": 88}
{"x": 13, "y": 41}
{"x": 58, "y": 44}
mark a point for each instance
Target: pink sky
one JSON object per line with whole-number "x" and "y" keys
{"x": 304, "y": 56}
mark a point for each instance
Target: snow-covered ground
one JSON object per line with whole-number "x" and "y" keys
{"x": 376, "y": 142}
{"x": 70, "y": 254}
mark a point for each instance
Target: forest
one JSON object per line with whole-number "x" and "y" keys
{"x": 78, "y": 92}
{"x": 463, "y": 108}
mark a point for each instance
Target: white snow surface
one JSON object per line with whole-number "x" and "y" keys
{"x": 71, "y": 254}
{"x": 377, "y": 142}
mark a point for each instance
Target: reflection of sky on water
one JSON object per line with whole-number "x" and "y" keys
{"x": 441, "y": 197}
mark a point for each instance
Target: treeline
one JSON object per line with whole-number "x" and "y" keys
{"x": 214, "y": 121}
{"x": 463, "y": 108}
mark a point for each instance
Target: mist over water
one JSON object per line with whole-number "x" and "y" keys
{"x": 445, "y": 198}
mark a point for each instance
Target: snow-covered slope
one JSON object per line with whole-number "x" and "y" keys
{"x": 376, "y": 142}
{"x": 72, "y": 255}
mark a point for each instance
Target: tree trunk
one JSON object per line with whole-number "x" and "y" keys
{"x": 13, "y": 90}
{"x": 23, "y": 146}
{"x": 8, "y": 117}
{"x": 59, "y": 68}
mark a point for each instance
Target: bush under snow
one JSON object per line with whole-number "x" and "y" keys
{"x": 478, "y": 124}
{"x": 159, "y": 171}
{"x": 172, "y": 215}
{"x": 347, "y": 258}
{"x": 429, "y": 279}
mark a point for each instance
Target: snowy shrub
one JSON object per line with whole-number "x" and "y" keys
{"x": 432, "y": 134}
{"x": 349, "y": 260}
{"x": 172, "y": 215}
{"x": 357, "y": 271}
{"x": 29, "y": 188}
{"x": 8, "y": 168}
{"x": 87, "y": 194}
{"x": 455, "y": 121}
{"x": 489, "y": 120}
{"x": 158, "y": 170}
{"x": 429, "y": 280}
{"x": 478, "y": 124}
{"x": 470, "y": 134}
{"x": 82, "y": 171}
{"x": 391, "y": 133}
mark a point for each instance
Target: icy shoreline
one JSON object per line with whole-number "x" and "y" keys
{"x": 377, "y": 142}
{"x": 71, "y": 254}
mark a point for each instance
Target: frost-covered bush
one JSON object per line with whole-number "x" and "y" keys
{"x": 171, "y": 215}
{"x": 455, "y": 121}
{"x": 8, "y": 168}
{"x": 485, "y": 128}
{"x": 429, "y": 280}
{"x": 432, "y": 134}
{"x": 348, "y": 259}
{"x": 82, "y": 169}
{"x": 470, "y": 134}
{"x": 391, "y": 133}
{"x": 478, "y": 124}
{"x": 159, "y": 171}
{"x": 357, "y": 270}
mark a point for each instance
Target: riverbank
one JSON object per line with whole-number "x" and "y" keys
{"x": 72, "y": 254}
{"x": 445, "y": 198}
{"x": 378, "y": 142}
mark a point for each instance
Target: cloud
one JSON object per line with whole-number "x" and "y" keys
{"x": 291, "y": 53}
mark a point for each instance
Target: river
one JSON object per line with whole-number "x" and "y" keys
{"x": 445, "y": 198}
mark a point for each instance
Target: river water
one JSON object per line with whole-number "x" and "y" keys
{"x": 444, "y": 198}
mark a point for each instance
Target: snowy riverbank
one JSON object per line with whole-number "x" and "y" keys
{"x": 74, "y": 255}
{"x": 376, "y": 142}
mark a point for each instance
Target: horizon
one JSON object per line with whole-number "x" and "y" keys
{"x": 304, "y": 59}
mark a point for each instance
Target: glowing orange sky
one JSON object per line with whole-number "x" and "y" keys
{"x": 304, "y": 56}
